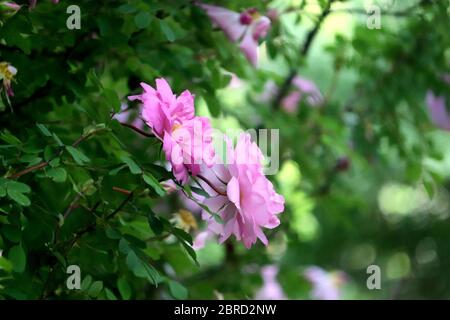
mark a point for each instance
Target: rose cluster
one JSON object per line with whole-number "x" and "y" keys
{"x": 238, "y": 191}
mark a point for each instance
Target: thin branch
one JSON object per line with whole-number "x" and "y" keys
{"x": 46, "y": 163}
{"x": 29, "y": 169}
{"x": 120, "y": 207}
{"x": 141, "y": 132}
{"x": 304, "y": 51}
{"x": 93, "y": 225}
{"x": 123, "y": 191}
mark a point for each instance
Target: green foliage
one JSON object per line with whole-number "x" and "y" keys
{"x": 79, "y": 188}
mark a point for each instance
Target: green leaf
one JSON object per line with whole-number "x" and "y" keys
{"x": 57, "y": 174}
{"x": 18, "y": 187}
{"x": 155, "y": 224}
{"x": 428, "y": 183}
{"x": 5, "y": 264}
{"x": 191, "y": 252}
{"x": 177, "y": 290}
{"x": 55, "y": 162}
{"x": 200, "y": 192}
{"x": 19, "y": 197}
{"x": 142, "y": 20}
{"x": 9, "y": 138}
{"x": 124, "y": 247}
{"x": 31, "y": 159}
{"x": 213, "y": 105}
{"x": 141, "y": 269}
{"x": 95, "y": 288}
{"x": 86, "y": 283}
{"x": 152, "y": 273}
{"x": 2, "y": 191}
{"x": 152, "y": 182}
{"x": 110, "y": 295}
{"x": 132, "y": 261}
{"x": 44, "y": 130}
{"x": 113, "y": 99}
{"x": 124, "y": 288}
{"x": 112, "y": 234}
{"x": 18, "y": 258}
{"x": 134, "y": 168}
{"x": 115, "y": 171}
{"x": 182, "y": 235}
{"x": 58, "y": 140}
{"x": 77, "y": 155}
{"x": 127, "y": 8}
{"x": 167, "y": 31}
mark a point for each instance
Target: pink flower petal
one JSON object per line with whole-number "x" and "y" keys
{"x": 227, "y": 20}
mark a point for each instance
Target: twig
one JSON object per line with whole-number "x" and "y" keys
{"x": 29, "y": 169}
{"x": 304, "y": 51}
{"x": 141, "y": 132}
{"x": 46, "y": 163}
{"x": 123, "y": 191}
{"x": 120, "y": 207}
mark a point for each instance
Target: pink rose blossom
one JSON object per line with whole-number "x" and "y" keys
{"x": 437, "y": 109}
{"x": 10, "y": 6}
{"x": 241, "y": 195}
{"x": 187, "y": 139}
{"x": 247, "y": 27}
{"x": 326, "y": 286}
{"x": 271, "y": 289}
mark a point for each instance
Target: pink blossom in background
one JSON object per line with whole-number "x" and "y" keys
{"x": 187, "y": 139}
{"x": 241, "y": 195}
{"x": 10, "y": 6}
{"x": 126, "y": 114}
{"x": 273, "y": 14}
{"x": 246, "y": 27}
{"x": 269, "y": 92}
{"x": 271, "y": 289}
{"x": 169, "y": 186}
{"x": 446, "y": 78}
{"x": 235, "y": 82}
{"x": 437, "y": 110}
{"x": 303, "y": 88}
{"x": 7, "y": 74}
{"x": 326, "y": 285}
{"x": 33, "y": 3}
{"x": 201, "y": 238}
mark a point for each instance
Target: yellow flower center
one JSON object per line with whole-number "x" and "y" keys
{"x": 187, "y": 220}
{"x": 255, "y": 15}
{"x": 176, "y": 126}
{"x": 5, "y": 71}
